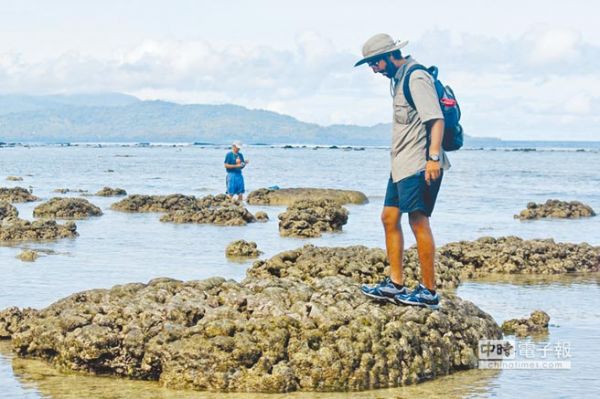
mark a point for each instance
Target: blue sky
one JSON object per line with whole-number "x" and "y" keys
{"x": 522, "y": 69}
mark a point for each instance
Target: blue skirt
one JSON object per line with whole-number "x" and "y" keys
{"x": 235, "y": 183}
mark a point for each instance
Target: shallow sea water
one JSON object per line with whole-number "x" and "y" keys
{"x": 478, "y": 198}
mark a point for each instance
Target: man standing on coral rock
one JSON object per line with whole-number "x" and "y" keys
{"x": 416, "y": 171}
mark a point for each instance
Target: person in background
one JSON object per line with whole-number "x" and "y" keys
{"x": 417, "y": 165}
{"x": 234, "y": 163}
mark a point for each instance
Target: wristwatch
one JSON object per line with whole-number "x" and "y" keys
{"x": 434, "y": 157}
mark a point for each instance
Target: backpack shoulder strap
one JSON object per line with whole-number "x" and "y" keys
{"x": 406, "y": 88}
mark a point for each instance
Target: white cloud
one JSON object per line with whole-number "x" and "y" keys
{"x": 542, "y": 81}
{"x": 553, "y": 45}
{"x": 580, "y": 104}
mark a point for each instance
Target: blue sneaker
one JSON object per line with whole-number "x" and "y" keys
{"x": 420, "y": 296}
{"x": 384, "y": 291}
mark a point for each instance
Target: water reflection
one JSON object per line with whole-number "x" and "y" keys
{"x": 52, "y": 383}
{"x": 565, "y": 280}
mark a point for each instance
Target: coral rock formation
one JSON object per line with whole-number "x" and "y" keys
{"x": 309, "y": 218}
{"x": 556, "y": 209}
{"x": 242, "y": 249}
{"x": 66, "y": 208}
{"x": 16, "y": 194}
{"x": 537, "y": 323}
{"x": 287, "y": 196}
{"x": 111, "y": 192}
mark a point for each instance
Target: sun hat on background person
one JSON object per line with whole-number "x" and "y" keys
{"x": 379, "y": 45}
{"x": 237, "y": 144}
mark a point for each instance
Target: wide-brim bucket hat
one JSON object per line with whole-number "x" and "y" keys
{"x": 379, "y": 45}
{"x": 237, "y": 144}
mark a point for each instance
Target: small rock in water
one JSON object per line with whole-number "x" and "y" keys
{"x": 242, "y": 249}
{"x": 66, "y": 208}
{"x": 261, "y": 216}
{"x": 28, "y": 256}
{"x": 157, "y": 203}
{"x": 16, "y": 194}
{"x": 287, "y": 196}
{"x": 14, "y": 178}
{"x": 537, "y": 323}
{"x": 68, "y": 190}
{"x": 15, "y": 229}
{"x": 556, "y": 209}
{"x": 309, "y": 218}
{"x": 111, "y": 192}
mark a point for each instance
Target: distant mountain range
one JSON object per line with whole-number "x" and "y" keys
{"x": 114, "y": 117}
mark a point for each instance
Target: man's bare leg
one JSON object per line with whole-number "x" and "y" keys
{"x": 394, "y": 242}
{"x": 419, "y": 223}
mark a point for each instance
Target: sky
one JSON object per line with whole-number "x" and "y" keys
{"x": 526, "y": 70}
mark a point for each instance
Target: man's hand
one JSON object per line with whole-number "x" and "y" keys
{"x": 432, "y": 171}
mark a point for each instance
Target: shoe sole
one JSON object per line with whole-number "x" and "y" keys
{"x": 421, "y": 304}
{"x": 379, "y": 298}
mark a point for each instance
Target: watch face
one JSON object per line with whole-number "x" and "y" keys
{"x": 434, "y": 157}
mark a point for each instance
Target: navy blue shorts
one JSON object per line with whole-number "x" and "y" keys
{"x": 413, "y": 193}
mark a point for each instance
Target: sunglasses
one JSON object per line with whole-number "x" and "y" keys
{"x": 373, "y": 63}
